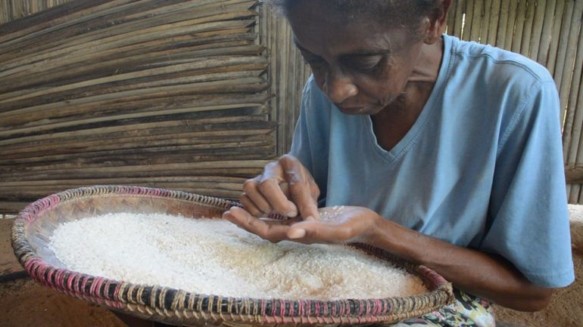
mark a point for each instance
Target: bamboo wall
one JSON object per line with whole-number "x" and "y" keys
{"x": 548, "y": 31}
{"x": 169, "y": 94}
{"x": 14, "y": 9}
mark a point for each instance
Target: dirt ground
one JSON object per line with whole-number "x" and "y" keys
{"x": 565, "y": 310}
{"x": 24, "y": 303}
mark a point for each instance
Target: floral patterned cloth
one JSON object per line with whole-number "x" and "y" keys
{"x": 466, "y": 311}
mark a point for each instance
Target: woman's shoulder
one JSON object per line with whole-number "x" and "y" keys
{"x": 496, "y": 62}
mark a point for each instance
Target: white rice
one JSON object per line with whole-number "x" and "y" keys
{"x": 576, "y": 213}
{"x": 213, "y": 256}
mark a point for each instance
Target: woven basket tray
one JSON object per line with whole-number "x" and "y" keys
{"x": 36, "y": 223}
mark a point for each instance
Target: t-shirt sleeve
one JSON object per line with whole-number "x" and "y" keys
{"x": 528, "y": 220}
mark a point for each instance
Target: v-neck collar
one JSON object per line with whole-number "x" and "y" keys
{"x": 428, "y": 110}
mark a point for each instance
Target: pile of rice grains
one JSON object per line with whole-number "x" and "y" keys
{"x": 213, "y": 256}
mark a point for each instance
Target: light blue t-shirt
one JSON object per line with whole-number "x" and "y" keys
{"x": 482, "y": 167}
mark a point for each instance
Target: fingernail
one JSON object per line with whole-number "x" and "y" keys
{"x": 310, "y": 218}
{"x": 292, "y": 213}
{"x": 296, "y": 233}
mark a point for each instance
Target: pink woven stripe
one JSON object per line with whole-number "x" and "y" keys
{"x": 69, "y": 281}
{"x": 34, "y": 210}
{"x": 95, "y": 286}
{"x": 434, "y": 277}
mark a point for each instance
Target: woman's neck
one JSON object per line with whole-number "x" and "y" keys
{"x": 393, "y": 123}
{"x": 428, "y": 63}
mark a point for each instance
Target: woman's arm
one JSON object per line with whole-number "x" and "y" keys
{"x": 472, "y": 271}
{"x": 475, "y": 272}
{"x": 287, "y": 188}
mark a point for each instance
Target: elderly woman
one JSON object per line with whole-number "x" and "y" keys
{"x": 443, "y": 152}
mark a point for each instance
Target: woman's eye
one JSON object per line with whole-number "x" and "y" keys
{"x": 315, "y": 63}
{"x": 368, "y": 65}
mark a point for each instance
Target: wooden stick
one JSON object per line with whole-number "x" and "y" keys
{"x": 520, "y": 18}
{"x": 546, "y": 33}
{"x": 537, "y": 26}
{"x": 459, "y": 15}
{"x": 510, "y": 40}
{"x": 494, "y": 22}
{"x": 562, "y": 36}
{"x": 556, "y": 36}
{"x": 572, "y": 146}
{"x": 469, "y": 17}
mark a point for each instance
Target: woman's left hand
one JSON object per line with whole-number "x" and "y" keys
{"x": 336, "y": 225}
{"x": 475, "y": 272}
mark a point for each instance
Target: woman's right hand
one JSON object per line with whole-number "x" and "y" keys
{"x": 285, "y": 187}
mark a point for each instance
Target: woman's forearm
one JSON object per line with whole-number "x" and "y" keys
{"x": 469, "y": 270}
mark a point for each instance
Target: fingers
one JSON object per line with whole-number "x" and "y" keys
{"x": 343, "y": 230}
{"x": 268, "y": 231}
{"x": 285, "y": 187}
{"x": 272, "y": 185}
{"x": 301, "y": 187}
{"x": 252, "y": 200}
{"x": 313, "y": 231}
{"x": 263, "y": 196}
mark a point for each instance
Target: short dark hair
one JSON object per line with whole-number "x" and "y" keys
{"x": 405, "y": 13}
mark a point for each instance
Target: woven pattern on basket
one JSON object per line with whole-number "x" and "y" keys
{"x": 178, "y": 306}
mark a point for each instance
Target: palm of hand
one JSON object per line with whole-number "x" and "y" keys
{"x": 336, "y": 225}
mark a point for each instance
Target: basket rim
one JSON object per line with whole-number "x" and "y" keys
{"x": 165, "y": 303}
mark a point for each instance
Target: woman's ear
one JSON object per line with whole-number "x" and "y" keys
{"x": 437, "y": 22}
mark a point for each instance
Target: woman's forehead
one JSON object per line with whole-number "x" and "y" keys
{"x": 326, "y": 35}
{"x": 380, "y": 11}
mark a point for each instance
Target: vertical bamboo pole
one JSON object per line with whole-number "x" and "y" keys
{"x": 527, "y": 31}
{"x": 564, "y": 74}
{"x": 468, "y": 20}
{"x": 459, "y": 17}
{"x": 520, "y": 18}
{"x": 476, "y": 24}
{"x": 494, "y": 21}
{"x": 537, "y": 25}
{"x": 451, "y": 18}
{"x": 510, "y": 27}
{"x": 560, "y": 34}
{"x": 567, "y": 81}
{"x": 272, "y": 26}
{"x": 573, "y": 133}
{"x": 579, "y": 104}
{"x": 284, "y": 79}
{"x": 564, "y": 42}
{"x": 546, "y": 33}
{"x": 486, "y": 13}
{"x": 503, "y": 23}
{"x": 556, "y": 36}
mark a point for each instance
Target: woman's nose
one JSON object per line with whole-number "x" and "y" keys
{"x": 339, "y": 87}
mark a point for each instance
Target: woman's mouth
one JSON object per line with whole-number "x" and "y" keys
{"x": 354, "y": 110}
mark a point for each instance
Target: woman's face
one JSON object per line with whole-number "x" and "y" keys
{"x": 360, "y": 65}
